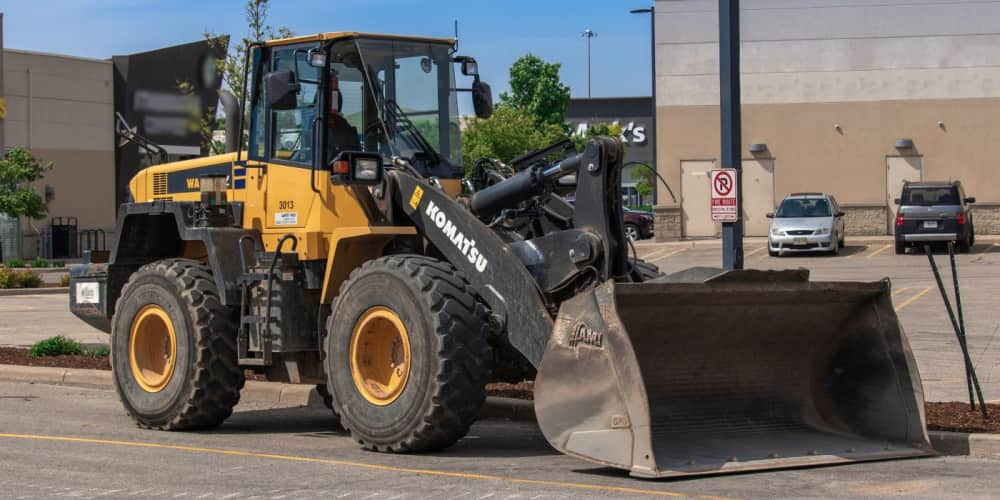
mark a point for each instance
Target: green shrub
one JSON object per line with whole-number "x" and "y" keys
{"x": 64, "y": 280}
{"x": 58, "y": 263}
{"x": 39, "y": 262}
{"x": 26, "y": 279}
{"x": 14, "y": 263}
{"x": 56, "y": 346}
{"x": 100, "y": 352}
{"x": 6, "y": 278}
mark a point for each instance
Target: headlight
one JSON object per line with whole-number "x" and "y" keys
{"x": 776, "y": 232}
{"x": 823, "y": 230}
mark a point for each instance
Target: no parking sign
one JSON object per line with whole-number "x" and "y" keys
{"x": 724, "y": 200}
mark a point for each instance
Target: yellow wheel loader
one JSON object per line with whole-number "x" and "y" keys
{"x": 342, "y": 248}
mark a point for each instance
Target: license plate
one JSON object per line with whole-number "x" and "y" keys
{"x": 800, "y": 241}
{"x": 930, "y": 224}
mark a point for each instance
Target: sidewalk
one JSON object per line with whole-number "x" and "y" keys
{"x": 762, "y": 240}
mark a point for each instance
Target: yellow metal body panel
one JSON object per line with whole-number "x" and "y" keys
{"x": 328, "y": 222}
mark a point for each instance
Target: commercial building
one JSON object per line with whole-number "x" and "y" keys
{"x": 850, "y": 98}
{"x": 65, "y": 110}
{"x": 634, "y": 115}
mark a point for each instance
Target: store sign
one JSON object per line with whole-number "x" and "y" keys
{"x": 632, "y": 132}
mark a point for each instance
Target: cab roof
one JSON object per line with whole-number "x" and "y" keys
{"x": 337, "y": 35}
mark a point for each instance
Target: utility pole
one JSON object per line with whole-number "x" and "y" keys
{"x": 588, "y": 34}
{"x": 652, "y": 59}
{"x": 729, "y": 108}
{"x": 3, "y": 95}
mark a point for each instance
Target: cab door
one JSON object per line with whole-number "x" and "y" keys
{"x": 291, "y": 191}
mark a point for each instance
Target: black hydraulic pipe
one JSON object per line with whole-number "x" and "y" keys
{"x": 520, "y": 187}
{"x": 970, "y": 371}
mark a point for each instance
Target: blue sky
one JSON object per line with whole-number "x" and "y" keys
{"x": 495, "y": 32}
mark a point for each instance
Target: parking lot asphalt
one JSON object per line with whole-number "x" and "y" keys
{"x": 916, "y": 297}
{"x": 58, "y": 441}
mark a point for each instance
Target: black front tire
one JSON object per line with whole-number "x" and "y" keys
{"x": 206, "y": 380}
{"x": 446, "y": 330}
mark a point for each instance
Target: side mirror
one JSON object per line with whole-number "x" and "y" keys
{"x": 770, "y": 215}
{"x": 282, "y": 90}
{"x": 896, "y": 201}
{"x": 841, "y": 214}
{"x": 482, "y": 99}
{"x": 356, "y": 167}
{"x": 971, "y": 199}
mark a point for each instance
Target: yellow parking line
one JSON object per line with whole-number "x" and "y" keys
{"x": 347, "y": 463}
{"x": 912, "y": 299}
{"x": 755, "y": 251}
{"x": 671, "y": 254}
{"x": 900, "y": 290}
{"x": 880, "y": 250}
{"x": 654, "y": 252}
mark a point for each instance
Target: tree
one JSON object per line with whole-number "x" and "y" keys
{"x": 596, "y": 130}
{"x": 17, "y": 198}
{"x": 509, "y": 133}
{"x": 535, "y": 88}
{"x": 232, "y": 67}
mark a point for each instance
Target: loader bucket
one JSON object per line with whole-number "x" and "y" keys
{"x": 744, "y": 370}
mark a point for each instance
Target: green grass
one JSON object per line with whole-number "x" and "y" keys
{"x": 56, "y": 346}
{"x": 100, "y": 352}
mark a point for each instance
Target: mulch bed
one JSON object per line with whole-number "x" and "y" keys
{"x": 20, "y": 356}
{"x": 958, "y": 417}
{"x": 955, "y": 417}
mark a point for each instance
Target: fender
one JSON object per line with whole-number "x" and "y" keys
{"x": 492, "y": 268}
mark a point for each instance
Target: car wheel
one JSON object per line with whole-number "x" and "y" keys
{"x": 900, "y": 248}
{"x": 965, "y": 244}
{"x": 836, "y": 247}
{"x": 632, "y": 232}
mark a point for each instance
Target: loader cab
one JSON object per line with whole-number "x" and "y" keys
{"x": 396, "y": 97}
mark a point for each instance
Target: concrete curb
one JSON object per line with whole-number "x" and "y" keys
{"x": 8, "y": 292}
{"x": 965, "y": 444}
{"x": 270, "y": 394}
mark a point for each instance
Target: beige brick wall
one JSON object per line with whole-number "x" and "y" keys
{"x": 667, "y": 223}
{"x": 865, "y": 220}
{"x": 986, "y": 218}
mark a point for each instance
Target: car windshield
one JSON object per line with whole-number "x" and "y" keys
{"x": 804, "y": 207}
{"x": 930, "y": 196}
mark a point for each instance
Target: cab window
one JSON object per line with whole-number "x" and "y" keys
{"x": 292, "y": 130}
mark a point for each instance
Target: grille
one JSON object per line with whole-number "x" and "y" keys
{"x": 159, "y": 184}
{"x": 799, "y": 232}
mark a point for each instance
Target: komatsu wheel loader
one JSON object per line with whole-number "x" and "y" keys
{"x": 341, "y": 248}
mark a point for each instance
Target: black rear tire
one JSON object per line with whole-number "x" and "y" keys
{"x": 900, "y": 248}
{"x": 205, "y": 381}
{"x": 965, "y": 245}
{"x": 632, "y": 232}
{"x": 446, "y": 331}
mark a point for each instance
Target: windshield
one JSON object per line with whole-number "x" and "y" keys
{"x": 804, "y": 207}
{"x": 931, "y": 196}
{"x": 400, "y": 96}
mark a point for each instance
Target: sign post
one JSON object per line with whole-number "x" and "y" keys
{"x": 725, "y": 199}
{"x": 729, "y": 106}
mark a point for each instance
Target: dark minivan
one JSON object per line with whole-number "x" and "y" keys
{"x": 934, "y": 212}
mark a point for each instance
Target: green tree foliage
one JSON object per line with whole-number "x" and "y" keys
{"x": 536, "y": 89}
{"x": 17, "y": 171}
{"x": 232, "y": 67}
{"x": 509, "y": 133}
{"x": 645, "y": 178}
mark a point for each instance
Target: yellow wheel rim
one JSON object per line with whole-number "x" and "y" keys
{"x": 152, "y": 348}
{"x": 380, "y": 356}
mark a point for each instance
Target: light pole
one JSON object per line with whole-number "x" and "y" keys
{"x": 652, "y": 60}
{"x": 588, "y": 34}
